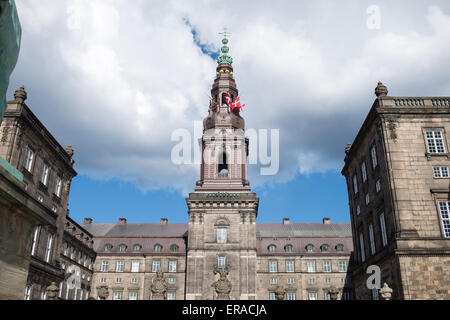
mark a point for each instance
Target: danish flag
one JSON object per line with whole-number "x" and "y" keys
{"x": 228, "y": 100}
{"x": 237, "y": 104}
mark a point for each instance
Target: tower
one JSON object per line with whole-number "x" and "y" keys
{"x": 222, "y": 210}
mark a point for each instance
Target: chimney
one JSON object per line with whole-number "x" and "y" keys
{"x": 286, "y": 220}
{"x": 326, "y": 220}
{"x": 164, "y": 221}
{"x": 122, "y": 221}
{"x": 87, "y": 221}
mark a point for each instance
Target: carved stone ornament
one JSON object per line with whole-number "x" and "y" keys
{"x": 280, "y": 293}
{"x": 159, "y": 286}
{"x": 386, "y": 292}
{"x": 52, "y": 291}
{"x": 223, "y": 285}
{"x": 334, "y": 292}
{"x": 103, "y": 292}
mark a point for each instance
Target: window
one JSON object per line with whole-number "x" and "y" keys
{"x": 378, "y": 186}
{"x": 327, "y": 266}
{"x": 289, "y": 248}
{"x": 66, "y": 246}
{"x": 28, "y": 164}
{"x": 367, "y": 199}
{"x": 327, "y": 280}
{"x": 310, "y": 248}
{"x": 342, "y": 266}
{"x": 273, "y": 281}
{"x": 361, "y": 244}
{"x": 35, "y": 240}
{"x": 290, "y": 266}
{"x": 54, "y": 209}
{"x": 27, "y": 293}
{"x": 373, "y": 154}
{"x": 221, "y": 261}
{"x": 445, "y": 217}
{"x": 435, "y": 142}
{"x": 158, "y": 248}
{"x": 48, "y": 248}
{"x": 118, "y": 280}
{"x": 105, "y": 265}
{"x": 72, "y": 253}
{"x": 312, "y": 296}
{"x": 174, "y": 248}
{"x": 311, "y": 266}
{"x": 170, "y": 295}
{"x": 122, "y": 248}
{"x": 103, "y": 280}
{"x": 136, "y": 247}
{"x": 108, "y": 247}
{"x": 273, "y": 266}
{"x": 383, "y": 230}
{"x": 40, "y": 198}
{"x": 364, "y": 172}
{"x": 44, "y": 175}
{"x": 119, "y": 266}
{"x": 156, "y": 266}
{"x": 117, "y": 295}
{"x": 135, "y": 266}
{"x": 290, "y": 281}
{"x": 132, "y": 295}
{"x": 172, "y": 266}
{"x": 324, "y": 248}
{"x": 375, "y": 295}
{"x": 58, "y": 186}
{"x": 342, "y": 280}
{"x": 221, "y": 235}
{"x": 171, "y": 280}
{"x": 60, "y": 289}
{"x": 85, "y": 260}
{"x": 340, "y": 248}
{"x": 355, "y": 184}
{"x": 327, "y": 296}
{"x": 440, "y": 172}
{"x": 290, "y": 296}
{"x": 272, "y": 296}
{"x": 372, "y": 240}
{"x": 358, "y": 210}
{"x": 272, "y": 248}
{"x": 134, "y": 280}
{"x": 312, "y": 280}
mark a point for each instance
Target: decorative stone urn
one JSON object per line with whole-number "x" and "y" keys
{"x": 280, "y": 293}
{"x": 222, "y": 285}
{"x": 52, "y": 291}
{"x": 159, "y": 287}
{"x": 386, "y": 292}
{"x": 334, "y": 293}
{"x": 103, "y": 292}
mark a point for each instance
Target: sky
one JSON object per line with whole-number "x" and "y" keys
{"x": 116, "y": 78}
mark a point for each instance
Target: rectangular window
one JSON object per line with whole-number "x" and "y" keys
{"x": 44, "y": 175}
{"x": 156, "y": 266}
{"x": 312, "y": 280}
{"x": 105, "y": 265}
{"x": 311, "y": 266}
{"x": 290, "y": 266}
{"x": 35, "y": 240}
{"x": 372, "y": 240}
{"x": 378, "y": 186}
{"x": 28, "y": 164}
{"x": 342, "y": 266}
{"x": 327, "y": 266}
{"x": 60, "y": 289}
{"x": 221, "y": 261}
{"x": 27, "y": 293}
{"x": 364, "y": 172}
{"x": 119, "y": 266}
{"x": 79, "y": 257}
{"x": 171, "y": 280}
{"x": 133, "y": 295}
{"x": 58, "y": 186}
{"x": 272, "y": 296}
{"x": 367, "y": 199}
{"x": 358, "y": 210}
{"x": 313, "y": 296}
{"x": 290, "y": 296}
{"x": 373, "y": 154}
{"x": 135, "y": 266}
{"x": 221, "y": 235}
{"x": 290, "y": 280}
{"x": 103, "y": 280}
{"x": 355, "y": 185}
{"x": 273, "y": 266}
{"x": 361, "y": 244}
{"x": 172, "y": 266}
{"x": 327, "y": 296}
{"x": 440, "y": 172}
{"x": 72, "y": 253}
{"x": 383, "y": 230}
{"x": 273, "y": 281}
{"x": 118, "y": 280}
{"x": 48, "y": 248}
{"x": 435, "y": 142}
{"x": 444, "y": 207}
{"x": 170, "y": 295}
{"x": 135, "y": 280}
{"x": 117, "y": 295}
{"x": 327, "y": 280}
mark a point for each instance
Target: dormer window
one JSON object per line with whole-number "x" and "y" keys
{"x": 108, "y": 247}
{"x": 324, "y": 248}
{"x": 122, "y": 248}
{"x": 289, "y": 248}
{"x": 158, "y": 248}
{"x": 174, "y": 248}
{"x": 272, "y": 248}
{"x": 310, "y": 248}
{"x": 136, "y": 247}
{"x": 340, "y": 247}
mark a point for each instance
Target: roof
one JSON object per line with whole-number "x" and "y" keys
{"x": 304, "y": 230}
{"x": 137, "y": 230}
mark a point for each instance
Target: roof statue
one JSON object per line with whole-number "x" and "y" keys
{"x": 10, "y": 36}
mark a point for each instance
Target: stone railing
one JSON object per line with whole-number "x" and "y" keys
{"x": 415, "y": 102}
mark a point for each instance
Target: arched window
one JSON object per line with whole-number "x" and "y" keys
{"x": 174, "y": 248}
{"x": 158, "y": 248}
{"x": 223, "y": 165}
{"x": 272, "y": 248}
{"x": 310, "y": 248}
{"x": 122, "y": 248}
{"x": 340, "y": 247}
{"x": 324, "y": 248}
{"x": 137, "y": 247}
{"x": 289, "y": 248}
{"x": 108, "y": 247}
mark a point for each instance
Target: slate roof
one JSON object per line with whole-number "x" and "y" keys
{"x": 137, "y": 230}
{"x": 304, "y": 230}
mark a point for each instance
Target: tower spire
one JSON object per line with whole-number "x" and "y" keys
{"x": 224, "y": 57}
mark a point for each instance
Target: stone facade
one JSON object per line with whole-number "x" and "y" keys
{"x": 398, "y": 186}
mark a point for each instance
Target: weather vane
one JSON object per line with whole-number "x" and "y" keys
{"x": 225, "y": 33}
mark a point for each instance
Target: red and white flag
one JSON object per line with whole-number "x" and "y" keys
{"x": 228, "y": 100}
{"x": 237, "y": 104}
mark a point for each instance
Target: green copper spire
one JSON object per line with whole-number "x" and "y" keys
{"x": 224, "y": 57}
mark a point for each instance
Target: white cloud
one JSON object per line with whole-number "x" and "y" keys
{"x": 116, "y": 78}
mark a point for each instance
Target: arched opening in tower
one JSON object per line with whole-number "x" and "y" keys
{"x": 223, "y": 166}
